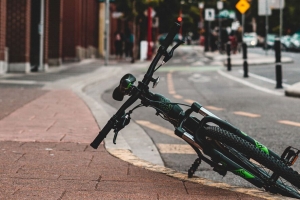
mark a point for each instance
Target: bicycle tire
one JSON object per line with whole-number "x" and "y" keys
{"x": 262, "y": 158}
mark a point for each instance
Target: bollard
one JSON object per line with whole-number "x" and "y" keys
{"x": 228, "y": 48}
{"x": 245, "y": 60}
{"x": 278, "y": 63}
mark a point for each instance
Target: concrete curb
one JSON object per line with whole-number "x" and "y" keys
{"x": 129, "y": 157}
{"x": 136, "y": 140}
{"x": 253, "y": 59}
{"x": 125, "y": 153}
{"x": 293, "y": 91}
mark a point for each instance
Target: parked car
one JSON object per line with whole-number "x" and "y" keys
{"x": 295, "y": 42}
{"x": 285, "y": 42}
{"x": 271, "y": 40}
{"x": 250, "y": 39}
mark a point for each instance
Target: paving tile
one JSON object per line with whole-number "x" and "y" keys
{"x": 79, "y": 195}
{"x": 138, "y": 187}
{"x": 34, "y": 194}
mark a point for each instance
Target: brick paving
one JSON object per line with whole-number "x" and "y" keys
{"x": 45, "y": 154}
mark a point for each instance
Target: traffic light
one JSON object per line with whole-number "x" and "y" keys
{"x": 179, "y": 19}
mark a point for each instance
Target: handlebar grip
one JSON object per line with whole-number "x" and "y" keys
{"x": 102, "y": 134}
{"x": 169, "y": 39}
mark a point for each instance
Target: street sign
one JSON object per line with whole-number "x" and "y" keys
{"x": 277, "y": 4}
{"x": 264, "y": 7}
{"x": 209, "y": 14}
{"x": 242, "y": 6}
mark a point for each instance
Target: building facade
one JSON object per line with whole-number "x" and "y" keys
{"x": 70, "y": 33}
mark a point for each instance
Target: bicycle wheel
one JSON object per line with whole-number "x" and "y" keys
{"x": 258, "y": 162}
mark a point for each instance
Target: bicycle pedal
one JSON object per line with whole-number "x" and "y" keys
{"x": 194, "y": 167}
{"x": 290, "y": 155}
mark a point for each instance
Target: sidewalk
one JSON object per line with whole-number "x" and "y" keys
{"x": 45, "y": 154}
{"x": 255, "y": 59}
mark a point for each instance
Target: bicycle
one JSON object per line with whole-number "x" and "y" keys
{"x": 224, "y": 147}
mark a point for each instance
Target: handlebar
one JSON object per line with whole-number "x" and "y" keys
{"x": 146, "y": 80}
{"x": 102, "y": 134}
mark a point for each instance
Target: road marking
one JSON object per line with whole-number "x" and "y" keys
{"x": 246, "y": 114}
{"x": 177, "y": 96}
{"x": 249, "y": 84}
{"x": 175, "y": 148}
{"x": 22, "y": 82}
{"x": 263, "y": 78}
{"x": 170, "y": 83}
{"x": 190, "y": 101}
{"x": 213, "y": 108}
{"x": 157, "y": 128}
{"x": 289, "y": 123}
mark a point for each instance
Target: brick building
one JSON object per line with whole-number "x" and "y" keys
{"x": 70, "y": 32}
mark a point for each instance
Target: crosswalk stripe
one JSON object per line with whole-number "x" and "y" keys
{"x": 157, "y": 128}
{"x": 246, "y": 114}
{"x": 175, "y": 148}
{"x": 289, "y": 123}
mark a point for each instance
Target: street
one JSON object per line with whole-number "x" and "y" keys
{"x": 263, "y": 112}
{"x": 290, "y": 71}
{"x": 264, "y": 116}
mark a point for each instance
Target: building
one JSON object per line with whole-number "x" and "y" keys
{"x": 70, "y": 33}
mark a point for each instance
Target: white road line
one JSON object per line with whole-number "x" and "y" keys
{"x": 250, "y": 84}
{"x": 264, "y": 78}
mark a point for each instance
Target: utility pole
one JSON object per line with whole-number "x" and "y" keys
{"x": 107, "y": 32}
{"x": 267, "y": 26}
{"x": 41, "y": 32}
{"x": 281, "y": 21}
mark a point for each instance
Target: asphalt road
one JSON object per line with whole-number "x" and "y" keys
{"x": 290, "y": 71}
{"x": 261, "y": 115}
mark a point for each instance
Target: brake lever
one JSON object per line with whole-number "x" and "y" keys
{"x": 120, "y": 125}
{"x": 169, "y": 55}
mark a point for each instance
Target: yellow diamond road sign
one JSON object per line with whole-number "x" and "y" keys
{"x": 242, "y": 6}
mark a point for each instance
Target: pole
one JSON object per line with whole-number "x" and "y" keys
{"x": 278, "y": 64}
{"x": 41, "y": 30}
{"x": 245, "y": 66}
{"x": 243, "y": 25}
{"x": 107, "y": 32}
{"x": 149, "y": 38}
{"x": 220, "y": 35}
{"x": 209, "y": 31}
{"x": 228, "y": 48}
{"x": 267, "y": 27}
{"x": 281, "y": 21}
